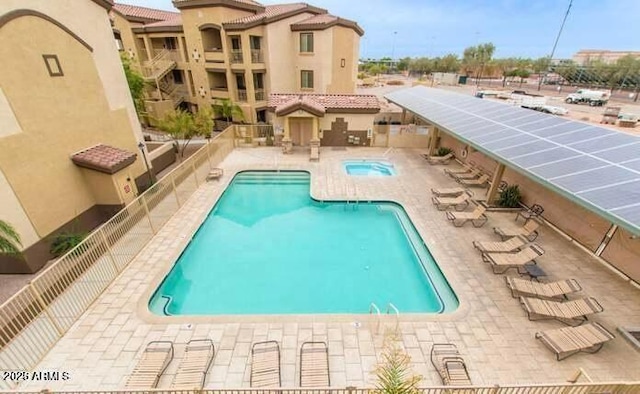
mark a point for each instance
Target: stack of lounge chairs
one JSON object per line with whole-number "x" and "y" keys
{"x": 450, "y": 365}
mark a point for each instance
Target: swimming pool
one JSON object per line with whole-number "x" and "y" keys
{"x": 268, "y": 248}
{"x": 368, "y": 168}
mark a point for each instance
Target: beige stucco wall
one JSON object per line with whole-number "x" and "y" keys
{"x": 12, "y": 212}
{"x": 356, "y": 121}
{"x": 90, "y": 104}
{"x": 345, "y": 45}
{"x": 8, "y": 123}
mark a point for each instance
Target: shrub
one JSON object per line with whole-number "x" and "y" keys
{"x": 362, "y": 75}
{"x": 394, "y": 372}
{"x": 64, "y": 242}
{"x": 443, "y": 151}
{"x": 509, "y": 197}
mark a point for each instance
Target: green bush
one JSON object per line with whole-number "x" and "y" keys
{"x": 510, "y": 197}
{"x": 64, "y": 242}
{"x": 394, "y": 371}
{"x": 443, "y": 151}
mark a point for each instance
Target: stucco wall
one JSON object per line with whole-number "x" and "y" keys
{"x": 346, "y": 44}
{"x": 12, "y": 212}
{"x": 356, "y": 121}
{"x": 59, "y": 116}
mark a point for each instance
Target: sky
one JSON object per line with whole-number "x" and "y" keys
{"x": 518, "y": 28}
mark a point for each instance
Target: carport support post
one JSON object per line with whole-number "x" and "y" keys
{"x": 403, "y": 120}
{"x": 435, "y": 133}
{"x": 495, "y": 183}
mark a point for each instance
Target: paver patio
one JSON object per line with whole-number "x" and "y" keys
{"x": 490, "y": 328}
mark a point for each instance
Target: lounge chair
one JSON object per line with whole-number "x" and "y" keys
{"x": 477, "y": 217}
{"x": 265, "y": 364}
{"x": 529, "y": 230}
{"x": 568, "y": 312}
{"x": 466, "y": 168}
{"x": 450, "y": 365}
{"x": 473, "y": 174}
{"x": 532, "y": 212}
{"x": 152, "y": 364}
{"x": 509, "y": 246}
{"x": 483, "y": 181}
{"x": 448, "y": 191}
{"x": 517, "y": 260}
{"x": 314, "y": 365}
{"x": 215, "y": 174}
{"x": 567, "y": 341}
{"x": 433, "y": 160}
{"x": 459, "y": 203}
{"x": 194, "y": 365}
{"x": 552, "y": 290}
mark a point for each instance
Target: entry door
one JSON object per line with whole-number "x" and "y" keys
{"x": 127, "y": 191}
{"x": 301, "y": 131}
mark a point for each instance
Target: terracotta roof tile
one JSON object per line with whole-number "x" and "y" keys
{"x": 144, "y": 12}
{"x": 269, "y": 12}
{"x": 321, "y": 103}
{"x": 318, "y": 20}
{"x": 251, "y": 2}
{"x": 104, "y": 158}
{"x": 176, "y": 21}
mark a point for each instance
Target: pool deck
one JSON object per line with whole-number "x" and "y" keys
{"x": 490, "y": 328}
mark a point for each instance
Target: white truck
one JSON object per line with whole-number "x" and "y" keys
{"x": 594, "y": 98}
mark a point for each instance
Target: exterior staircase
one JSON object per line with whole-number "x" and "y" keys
{"x": 158, "y": 67}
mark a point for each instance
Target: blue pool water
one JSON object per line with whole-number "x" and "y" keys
{"x": 268, "y": 248}
{"x": 368, "y": 168}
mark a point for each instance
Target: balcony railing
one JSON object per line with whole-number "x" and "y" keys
{"x": 242, "y": 95}
{"x": 259, "y": 94}
{"x": 257, "y": 56}
{"x": 235, "y": 56}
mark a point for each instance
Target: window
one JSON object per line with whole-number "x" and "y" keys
{"x": 306, "y": 42}
{"x": 255, "y": 42}
{"x": 177, "y": 77}
{"x": 235, "y": 43}
{"x": 306, "y": 79}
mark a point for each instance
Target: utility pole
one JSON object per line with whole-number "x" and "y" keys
{"x": 555, "y": 44}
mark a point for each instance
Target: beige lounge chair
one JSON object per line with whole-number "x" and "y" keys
{"x": 433, "y": 160}
{"x": 477, "y": 217}
{"x": 567, "y": 341}
{"x": 152, "y": 364}
{"x": 483, "y": 181}
{"x": 450, "y": 365}
{"x": 215, "y": 174}
{"x": 509, "y": 246}
{"x": 473, "y": 174}
{"x": 265, "y": 364}
{"x": 459, "y": 203}
{"x": 194, "y": 365}
{"x": 552, "y": 290}
{"x": 506, "y": 261}
{"x": 466, "y": 169}
{"x": 448, "y": 191}
{"x": 314, "y": 365}
{"x": 529, "y": 230}
{"x": 568, "y": 312}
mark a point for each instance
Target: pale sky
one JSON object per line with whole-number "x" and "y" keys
{"x": 519, "y": 28}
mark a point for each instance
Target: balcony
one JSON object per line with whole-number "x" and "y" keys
{"x": 220, "y": 92}
{"x": 235, "y": 56}
{"x": 259, "y": 94}
{"x": 242, "y": 95}
{"x": 216, "y": 56}
{"x": 257, "y": 56}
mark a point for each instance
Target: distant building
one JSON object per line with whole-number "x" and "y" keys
{"x": 585, "y": 56}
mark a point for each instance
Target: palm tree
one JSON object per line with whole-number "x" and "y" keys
{"x": 9, "y": 239}
{"x": 228, "y": 110}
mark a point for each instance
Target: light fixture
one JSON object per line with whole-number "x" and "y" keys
{"x": 144, "y": 157}
{"x": 195, "y": 55}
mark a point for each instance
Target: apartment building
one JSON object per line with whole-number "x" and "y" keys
{"x": 69, "y": 134}
{"x": 239, "y": 50}
{"x": 585, "y": 56}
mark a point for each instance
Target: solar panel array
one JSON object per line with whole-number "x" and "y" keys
{"x": 596, "y": 166}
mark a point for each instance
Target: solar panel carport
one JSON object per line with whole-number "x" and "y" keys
{"x": 596, "y": 167}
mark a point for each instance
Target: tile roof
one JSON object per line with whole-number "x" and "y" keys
{"x": 245, "y": 4}
{"x": 237, "y": 1}
{"x": 269, "y": 12}
{"x": 104, "y": 158}
{"x": 169, "y": 24}
{"x": 153, "y": 14}
{"x": 324, "y": 21}
{"x": 273, "y": 13}
{"x": 319, "y": 104}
